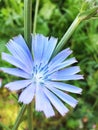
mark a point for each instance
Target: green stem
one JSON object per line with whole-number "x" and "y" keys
{"x": 35, "y": 16}
{"x": 27, "y": 21}
{"x": 30, "y": 114}
{"x": 67, "y": 35}
{"x": 19, "y": 117}
{"x": 27, "y": 36}
{"x": 30, "y": 117}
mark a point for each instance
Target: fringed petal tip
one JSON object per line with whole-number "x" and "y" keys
{"x": 63, "y": 114}
{"x": 17, "y": 37}
{"x": 53, "y": 39}
{"x": 9, "y": 42}
{"x": 20, "y": 101}
{"x": 75, "y": 104}
{"x": 8, "y": 87}
{"x": 41, "y": 35}
{"x": 24, "y": 101}
{"x": 80, "y": 91}
{"x": 49, "y": 116}
{"x": 69, "y": 50}
{"x": 52, "y": 115}
{"x": 81, "y": 77}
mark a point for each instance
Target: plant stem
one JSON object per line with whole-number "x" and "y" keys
{"x": 27, "y": 36}
{"x": 35, "y": 16}
{"x": 30, "y": 116}
{"x": 19, "y": 117}
{"x": 67, "y": 35}
{"x": 28, "y": 21}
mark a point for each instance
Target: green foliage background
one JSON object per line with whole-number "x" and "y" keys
{"x": 54, "y": 18}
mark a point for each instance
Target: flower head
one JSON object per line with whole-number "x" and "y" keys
{"x": 43, "y": 77}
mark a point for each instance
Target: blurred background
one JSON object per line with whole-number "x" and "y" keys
{"x": 54, "y": 18}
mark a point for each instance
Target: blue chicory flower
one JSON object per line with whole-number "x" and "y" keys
{"x": 43, "y": 78}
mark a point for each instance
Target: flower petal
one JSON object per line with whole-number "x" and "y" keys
{"x": 16, "y": 72}
{"x": 28, "y": 94}
{"x": 62, "y": 77}
{"x": 65, "y": 87}
{"x": 63, "y": 96}
{"x": 62, "y": 65}
{"x": 19, "y": 53}
{"x": 43, "y": 103}
{"x": 20, "y": 41}
{"x": 67, "y": 71}
{"x": 70, "y": 70}
{"x": 60, "y": 57}
{"x": 38, "y": 51}
{"x": 56, "y": 102}
{"x": 49, "y": 48}
{"x": 14, "y": 61}
{"x": 17, "y": 85}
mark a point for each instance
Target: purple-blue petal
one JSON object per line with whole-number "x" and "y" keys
{"x": 17, "y": 85}
{"x": 69, "y": 70}
{"x": 20, "y": 41}
{"x": 62, "y": 65}
{"x": 27, "y": 95}
{"x": 66, "y": 72}
{"x": 36, "y": 49}
{"x": 58, "y": 77}
{"x": 63, "y": 96}
{"x": 64, "y": 87}
{"x": 19, "y": 53}
{"x": 43, "y": 103}
{"x": 56, "y": 102}
{"x": 49, "y": 48}
{"x": 14, "y": 61}
{"x": 16, "y": 72}
{"x": 60, "y": 57}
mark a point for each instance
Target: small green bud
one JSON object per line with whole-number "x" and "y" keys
{"x": 89, "y": 9}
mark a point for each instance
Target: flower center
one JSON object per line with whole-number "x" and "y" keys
{"x": 38, "y": 78}
{"x": 39, "y": 74}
